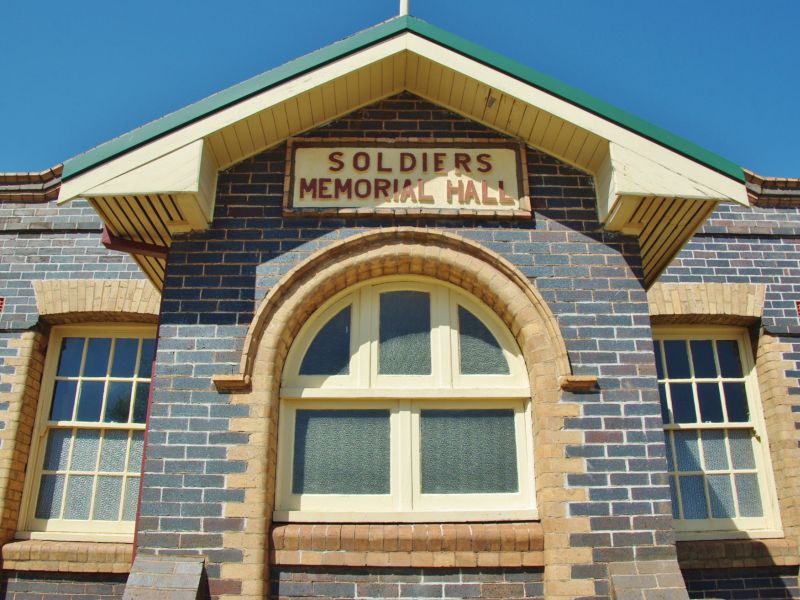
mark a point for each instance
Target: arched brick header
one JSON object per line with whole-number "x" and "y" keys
{"x": 61, "y": 301}
{"x": 440, "y": 256}
{"x": 404, "y": 251}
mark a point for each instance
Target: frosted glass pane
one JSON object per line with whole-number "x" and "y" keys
{"x": 693, "y": 497}
{"x": 729, "y": 362}
{"x": 710, "y": 402}
{"x": 341, "y": 452}
{"x": 115, "y": 445}
{"x": 703, "y": 358}
{"x": 63, "y": 400}
{"x": 56, "y": 454}
{"x": 741, "y": 449}
{"x": 748, "y": 495}
{"x": 662, "y": 396}
{"x": 714, "y": 451}
{"x": 79, "y": 497}
{"x": 147, "y": 358}
{"x": 405, "y": 341}
{"x": 124, "y": 364}
{"x": 721, "y": 494}
{"x": 118, "y": 402}
{"x": 140, "y": 404}
{"x": 97, "y": 357}
{"x": 91, "y": 401}
{"x": 687, "y": 451}
{"x": 677, "y": 359}
{"x": 468, "y": 451}
{"x": 668, "y": 442}
{"x": 51, "y": 491}
{"x": 736, "y": 402}
{"x": 683, "y": 410}
{"x": 329, "y": 353}
{"x": 107, "y": 498}
{"x": 69, "y": 362}
{"x": 135, "y": 457}
{"x": 131, "y": 499}
{"x": 84, "y": 450}
{"x": 673, "y": 492}
{"x": 480, "y": 352}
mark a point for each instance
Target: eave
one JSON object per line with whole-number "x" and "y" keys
{"x": 160, "y": 180}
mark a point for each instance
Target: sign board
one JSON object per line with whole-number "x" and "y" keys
{"x": 430, "y": 177}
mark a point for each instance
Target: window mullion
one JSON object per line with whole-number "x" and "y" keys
{"x": 408, "y": 452}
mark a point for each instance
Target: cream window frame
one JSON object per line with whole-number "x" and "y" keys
{"x": 30, "y": 527}
{"x": 769, "y": 525}
{"x": 405, "y": 395}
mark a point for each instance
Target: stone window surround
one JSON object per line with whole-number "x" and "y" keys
{"x": 59, "y": 302}
{"x": 742, "y": 305}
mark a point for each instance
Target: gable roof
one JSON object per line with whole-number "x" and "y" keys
{"x": 160, "y": 179}
{"x": 368, "y": 37}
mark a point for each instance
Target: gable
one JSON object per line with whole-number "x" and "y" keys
{"x": 159, "y": 180}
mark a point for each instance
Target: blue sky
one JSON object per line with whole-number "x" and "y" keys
{"x": 722, "y": 73}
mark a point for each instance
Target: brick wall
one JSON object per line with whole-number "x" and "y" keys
{"x": 301, "y": 583}
{"x": 38, "y": 585}
{"x": 590, "y": 278}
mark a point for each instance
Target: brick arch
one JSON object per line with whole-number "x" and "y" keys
{"x": 61, "y": 301}
{"x": 398, "y": 251}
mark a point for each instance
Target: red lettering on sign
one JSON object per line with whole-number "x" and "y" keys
{"x": 438, "y": 161}
{"x": 484, "y": 160}
{"x": 324, "y": 193}
{"x": 342, "y": 187}
{"x": 308, "y": 186}
{"x": 361, "y": 161}
{"x": 507, "y": 200}
{"x": 382, "y": 188}
{"x": 421, "y": 195}
{"x": 462, "y": 160}
{"x": 381, "y": 168}
{"x": 407, "y": 192}
{"x": 455, "y": 189}
{"x": 363, "y": 188}
{"x": 471, "y": 194}
{"x": 407, "y": 162}
{"x": 485, "y": 197}
{"x": 336, "y": 159}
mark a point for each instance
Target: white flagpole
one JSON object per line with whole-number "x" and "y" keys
{"x": 403, "y": 8}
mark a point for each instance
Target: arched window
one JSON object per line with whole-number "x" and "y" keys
{"x": 404, "y": 400}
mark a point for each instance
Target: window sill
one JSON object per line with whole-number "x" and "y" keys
{"x": 67, "y": 557}
{"x": 518, "y": 544}
{"x": 431, "y": 516}
{"x": 737, "y": 553}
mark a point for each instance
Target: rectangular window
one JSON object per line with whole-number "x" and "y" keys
{"x": 717, "y": 455}
{"x": 89, "y": 436}
{"x": 404, "y": 460}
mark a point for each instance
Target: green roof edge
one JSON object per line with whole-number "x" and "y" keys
{"x": 337, "y": 50}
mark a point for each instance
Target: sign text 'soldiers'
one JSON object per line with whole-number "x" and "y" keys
{"x": 478, "y": 178}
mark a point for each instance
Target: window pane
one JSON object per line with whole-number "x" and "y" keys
{"x": 721, "y": 494}
{"x": 742, "y": 449}
{"x": 51, "y": 492}
{"x": 683, "y": 410}
{"x": 668, "y": 442}
{"x": 131, "y": 498}
{"x": 57, "y": 453}
{"x": 674, "y": 496}
{"x": 115, "y": 445}
{"x": 748, "y": 495}
{"x": 736, "y": 402}
{"x": 118, "y": 402}
{"x": 147, "y": 358}
{"x": 714, "y": 451}
{"x": 693, "y": 497}
{"x": 84, "y": 451}
{"x": 729, "y": 361}
{"x": 107, "y": 499}
{"x": 480, "y": 353}
{"x": 329, "y": 353}
{"x": 91, "y": 401}
{"x": 69, "y": 362}
{"x": 79, "y": 497}
{"x": 63, "y": 400}
{"x": 662, "y": 396}
{"x": 659, "y": 365}
{"x": 687, "y": 451}
{"x": 135, "y": 458}
{"x": 405, "y": 342}
{"x": 677, "y": 359}
{"x": 468, "y": 451}
{"x": 703, "y": 358}
{"x": 124, "y": 364}
{"x": 140, "y": 405}
{"x": 341, "y": 452}
{"x": 710, "y": 402}
{"x": 97, "y": 357}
